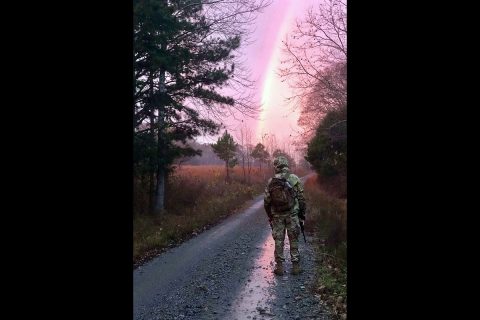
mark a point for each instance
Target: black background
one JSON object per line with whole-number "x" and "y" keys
{"x": 68, "y": 147}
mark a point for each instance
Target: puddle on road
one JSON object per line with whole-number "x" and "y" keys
{"x": 257, "y": 296}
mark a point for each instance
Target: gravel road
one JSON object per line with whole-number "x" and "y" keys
{"x": 226, "y": 272}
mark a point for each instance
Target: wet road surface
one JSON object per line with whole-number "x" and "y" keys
{"x": 227, "y": 273}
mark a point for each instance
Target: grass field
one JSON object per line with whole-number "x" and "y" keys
{"x": 196, "y": 198}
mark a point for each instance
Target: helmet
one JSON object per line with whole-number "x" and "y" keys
{"x": 280, "y": 162}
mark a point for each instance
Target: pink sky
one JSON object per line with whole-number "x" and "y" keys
{"x": 263, "y": 58}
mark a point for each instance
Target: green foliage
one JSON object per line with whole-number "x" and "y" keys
{"x": 144, "y": 149}
{"x": 178, "y": 63}
{"x": 233, "y": 162}
{"x": 327, "y": 151}
{"x": 225, "y": 149}
{"x": 260, "y": 153}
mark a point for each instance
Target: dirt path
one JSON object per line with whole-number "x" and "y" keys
{"x": 226, "y": 273}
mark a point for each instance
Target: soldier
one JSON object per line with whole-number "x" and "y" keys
{"x": 285, "y": 205}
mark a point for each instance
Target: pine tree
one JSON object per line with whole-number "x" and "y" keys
{"x": 260, "y": 153}
{"x": 225, "y": 149}
{"x": 178, "y": 65}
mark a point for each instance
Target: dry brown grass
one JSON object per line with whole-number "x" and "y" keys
{"x": 327, "y": 220}
{"x": 207, "y": 172}
{"x": 196, "y": 197}
{"x": 217, "y": 173}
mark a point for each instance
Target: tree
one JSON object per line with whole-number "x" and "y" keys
{"x": 242, "y": 149}
{"x": 315, "y": 63}
{"x": 319, "y": 41}
{"x": 244, "y": 136}
{"x": 270, "y": 145}
{"x": 225, "y": 149}
{"x": 327, "y": 95}
{"x": 248, "y": 151}
{"x": 259, "y": 153}
{"x": 327, "y": 151}
{"x": 183, "y": 58}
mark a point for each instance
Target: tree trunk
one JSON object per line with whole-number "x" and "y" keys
{"x": 261, "y": 172}
{"x": 249, "y": 167}
{"x": 243, "y": 165}
{"x": 151, "y": 190}
{"x": 161, "y": 152}
{"x": 160, "y": 194}
{"x": 151, "y": 182}
{"x": 226, "y": 166}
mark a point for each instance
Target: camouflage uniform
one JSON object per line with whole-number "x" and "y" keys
{"x": 288, "y": 220}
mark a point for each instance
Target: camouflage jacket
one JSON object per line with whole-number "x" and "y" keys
{"x": 295, "y": 182}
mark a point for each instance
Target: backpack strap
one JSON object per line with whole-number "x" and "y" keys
{"x": 286, "y": 179}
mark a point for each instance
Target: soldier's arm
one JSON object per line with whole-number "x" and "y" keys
{"x": 299, "y": 191}
{"x": 267, "y": 202}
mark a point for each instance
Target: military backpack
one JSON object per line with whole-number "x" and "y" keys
{"x": 282, "y": 194}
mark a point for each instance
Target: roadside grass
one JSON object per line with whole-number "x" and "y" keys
{"x": 326, "y": 220}
{"x": 196, "y": 198}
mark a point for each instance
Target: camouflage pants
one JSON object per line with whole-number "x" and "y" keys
{"x": 280, "y": 222}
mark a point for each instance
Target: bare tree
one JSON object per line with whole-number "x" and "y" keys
{"x": 317, "y": 42}
{"x": 315, "y": 63}
{"x": 226, "y": 19}
{"x": 249, "y": 148}
{"x": 271, "y": 145}
{"x": 327, "y": 95}
{"x": 241, "y": 148}
{"x": 244, "y": 136}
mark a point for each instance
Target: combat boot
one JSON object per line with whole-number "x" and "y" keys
{"x": 278, "y": 269}
{"x": 296, "y": 268}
